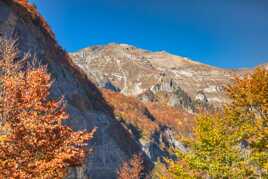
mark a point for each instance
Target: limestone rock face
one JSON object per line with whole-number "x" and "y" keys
{"x": 140, "y": 73}
{"x": 169, "y": 139}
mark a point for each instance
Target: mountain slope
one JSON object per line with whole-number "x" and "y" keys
{"x": 125, "y": 125}
{"x": 118, "y": 135}
{"x": 84, "y": 102}
{"x": 155, "y": 76}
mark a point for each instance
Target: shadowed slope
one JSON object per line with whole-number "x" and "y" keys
{"x": 84, "y": 102}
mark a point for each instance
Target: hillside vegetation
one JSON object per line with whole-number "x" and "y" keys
{"x": 34, "y": 143}
{"x": 147, "y": 120}
{"x": 233, "y": 144}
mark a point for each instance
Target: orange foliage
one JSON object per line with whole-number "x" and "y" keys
{"x": 148, "y": 117}
{"x": 131, "y": 111}
{"x": 171, "y": 117}
{"x": 23, "y": 1}
{"x": 131, "y": 169}
{"x": 35, "y": 143}
{"x": 36, "y": 16}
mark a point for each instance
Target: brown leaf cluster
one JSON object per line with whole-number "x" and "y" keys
{"x": 131, "y": 111}
{"x": 178, "y": 119}
{"x": 131, "y": 169}
{"x": 148, "y": 117}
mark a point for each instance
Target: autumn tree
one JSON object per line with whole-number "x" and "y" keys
{"x": 22, "y": 1}
{"x": 232, "y": 144}
{"x": 212, "y": 152}
{"x": 34, "y": 142}
{"x": 247, "y": 118}
{"x": 131, "y": 169}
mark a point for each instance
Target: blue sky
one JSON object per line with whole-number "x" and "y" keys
{"x": 224, "y": 33}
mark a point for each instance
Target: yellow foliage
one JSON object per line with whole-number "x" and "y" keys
{"x": 233, "y": 144}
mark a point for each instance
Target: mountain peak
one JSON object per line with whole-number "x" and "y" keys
{"x": 133, "y": 71}
{"x": 130, "y": 52}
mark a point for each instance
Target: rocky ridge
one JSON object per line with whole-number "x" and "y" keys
{"x": 155, "y": 76}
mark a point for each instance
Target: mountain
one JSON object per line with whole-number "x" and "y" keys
{"x": 264, "y": 66}
{"x": 125, "y": 125}
{"x": 124, "y": 92}
{"x": 155, "y": 76}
